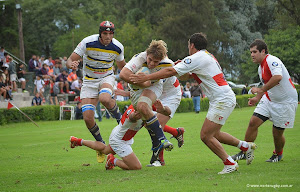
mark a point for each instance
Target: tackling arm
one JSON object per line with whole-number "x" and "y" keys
{"x": 161, "y": 74}
{"x": 125, "y": 73}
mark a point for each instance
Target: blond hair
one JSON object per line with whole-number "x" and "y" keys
{"x": 158, "y": 49}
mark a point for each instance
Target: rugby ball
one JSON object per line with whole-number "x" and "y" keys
{"x": 145, "y": 70}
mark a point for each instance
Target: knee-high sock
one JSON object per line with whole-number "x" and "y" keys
{"x": 154, "y": 125}
{"x": 115, "y": 112}
{"x": 96, "y": 133}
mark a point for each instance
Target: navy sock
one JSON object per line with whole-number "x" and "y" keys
{"x": 115, "y": 112}
{"x": 154, "y": 125}
{"x": 96, "y": 133}
{"x": 155, "y": 141}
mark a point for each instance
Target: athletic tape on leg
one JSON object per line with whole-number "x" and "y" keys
{"x": 145, "y": 100}
{"x": 105, "y": 90}
{"x": 88, "y": 107}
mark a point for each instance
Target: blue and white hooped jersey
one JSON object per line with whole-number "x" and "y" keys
{"x": 98, "y": 59}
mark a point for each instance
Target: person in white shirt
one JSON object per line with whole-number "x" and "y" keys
{"x": 277, "y": 99}
{"x": 205, "y": 69}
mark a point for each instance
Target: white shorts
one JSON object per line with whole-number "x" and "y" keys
{"x": 21, "y": 79}
{"x": 219, "y": 111}
{"x": 90, "y": 88}
{"x": 156, "y": 88}
{"x": 281, "y": 114}
{"x": 13, "y": 77}
{"x": 172, "y": 101}
{"x": 119, "y": 146}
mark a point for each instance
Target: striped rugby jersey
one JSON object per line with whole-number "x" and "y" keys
{"x": 98, "y": 59}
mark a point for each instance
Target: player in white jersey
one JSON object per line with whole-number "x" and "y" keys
{"x": 278, "y": 99}
{"x": 207, "y": 71}
{"x": 99, "y": 52}
{"x": 145, "y": 94}
{"x": 120, "y": 141}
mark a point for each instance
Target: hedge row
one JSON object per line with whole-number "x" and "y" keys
{"x": 51, "y": 113}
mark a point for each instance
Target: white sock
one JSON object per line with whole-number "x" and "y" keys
{"x": 243, "y": 145}
{"x": 115, "y": 160}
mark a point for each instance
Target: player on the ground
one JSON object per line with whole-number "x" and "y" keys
{"x": 207, "y": 71}
{"x": 120, "y": 142}
{"x": 278, "y": 99}
{"x": 99, "y": 51}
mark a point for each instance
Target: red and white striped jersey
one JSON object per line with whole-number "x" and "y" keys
{"x": 285, "y": 91}
{"x": 126, "y": 128}
{"x": 208, "y": 73}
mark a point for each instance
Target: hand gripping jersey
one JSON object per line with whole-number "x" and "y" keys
{"x": 285, "y": 91}
{"x": 207, "y": 72}
{"x": 98, "y": 59}
{"x": 127, "y": 129}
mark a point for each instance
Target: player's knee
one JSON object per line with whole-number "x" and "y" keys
{"x": 137, "y": 166}
{"x": 105, "y": 95}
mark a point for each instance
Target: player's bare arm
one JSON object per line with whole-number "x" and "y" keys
{"x": 260, "y": 91}
{"x": 161, "y": 74}
{"x": 73, "y": 61}
{"x": 121, "y": 64}
{"x": 125, "y": 73}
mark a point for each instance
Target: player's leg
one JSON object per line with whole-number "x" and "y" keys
{"x": 144, "y": 106}
{"x": 105, "y": 97}
{"x": 279, "y": 142}
{"x": 96, "y": 145}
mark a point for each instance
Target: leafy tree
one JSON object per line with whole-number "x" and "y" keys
{"x": 180, "y": 19}
{"x": 9, "y": 36}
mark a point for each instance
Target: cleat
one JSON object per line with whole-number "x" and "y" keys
{"x": 74, "y": 141}
{"x": 167, "y": 145}
{"x": 100, "y": 157}
{"x": 179, "y": 137}
{"x": 229, "y": 168}
{"x": 155, "y": 164}
{"x": 159, "y": 157}
{"x": 275, "y": 158}
{"x": 250, "y": 153}
{"x": 239, "y": 156}
{"x": 110, "y": 162}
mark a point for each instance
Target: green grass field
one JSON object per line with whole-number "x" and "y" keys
{"x": 40, "y": 159}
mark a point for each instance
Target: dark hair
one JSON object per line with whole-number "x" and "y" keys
{"x": 260, "y": 45}
{"x": 199, "y": 40}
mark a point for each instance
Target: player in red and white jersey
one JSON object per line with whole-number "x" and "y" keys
{"x": 99, "y": 52}
{"x": 145, "y": 94}
{"x": 207, "y": 71}
{"x": 120, "y": 141}
{"x": 278, "y": 99}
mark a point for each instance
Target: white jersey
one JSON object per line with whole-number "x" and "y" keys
{"x": 285, "y": 91}
{"x": 98, "y": 59}
{"x": 138, "y": 61}
{"x": 171, "y": 86}
{"x": 207, "y": 72}
{"x": 127, "y": 129}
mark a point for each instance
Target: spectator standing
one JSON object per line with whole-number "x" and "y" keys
{"x": 2, "y": 57}
{"x": 21, "y": 79}
{"x": 186, "y": 90}
{"x": 53, "y": 93}
{"x": 196, "y": 93}
{"x": 39, "y": 86}
{"x": 13, "y": 74}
